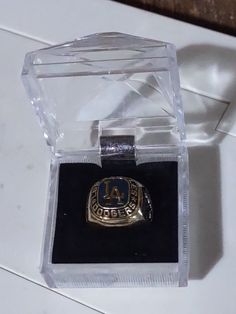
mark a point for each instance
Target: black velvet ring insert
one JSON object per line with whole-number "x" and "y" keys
{"x": 77, "y": 241}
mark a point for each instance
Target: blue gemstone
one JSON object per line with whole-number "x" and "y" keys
{"x": 113, "y": 193}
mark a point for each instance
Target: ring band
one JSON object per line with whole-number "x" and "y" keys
{"x": 118, "y": 201}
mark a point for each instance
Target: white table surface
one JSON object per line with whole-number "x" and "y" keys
{"x": 207, "y": 66}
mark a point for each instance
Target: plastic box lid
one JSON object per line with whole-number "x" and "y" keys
{"x": 107, "y": 82}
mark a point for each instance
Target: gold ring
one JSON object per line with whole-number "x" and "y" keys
{"x": 118, "y": 201}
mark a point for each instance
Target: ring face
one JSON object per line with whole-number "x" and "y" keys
{"x": 113, "y": 193}
{"x": 118, "y": 201}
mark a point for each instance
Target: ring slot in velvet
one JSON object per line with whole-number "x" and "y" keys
{"x": 76, "y": 241}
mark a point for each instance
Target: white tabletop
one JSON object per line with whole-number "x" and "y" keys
{"x": 207, "y": 66}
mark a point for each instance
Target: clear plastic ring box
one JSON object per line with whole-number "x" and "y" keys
{"x": 112, "y": 86}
